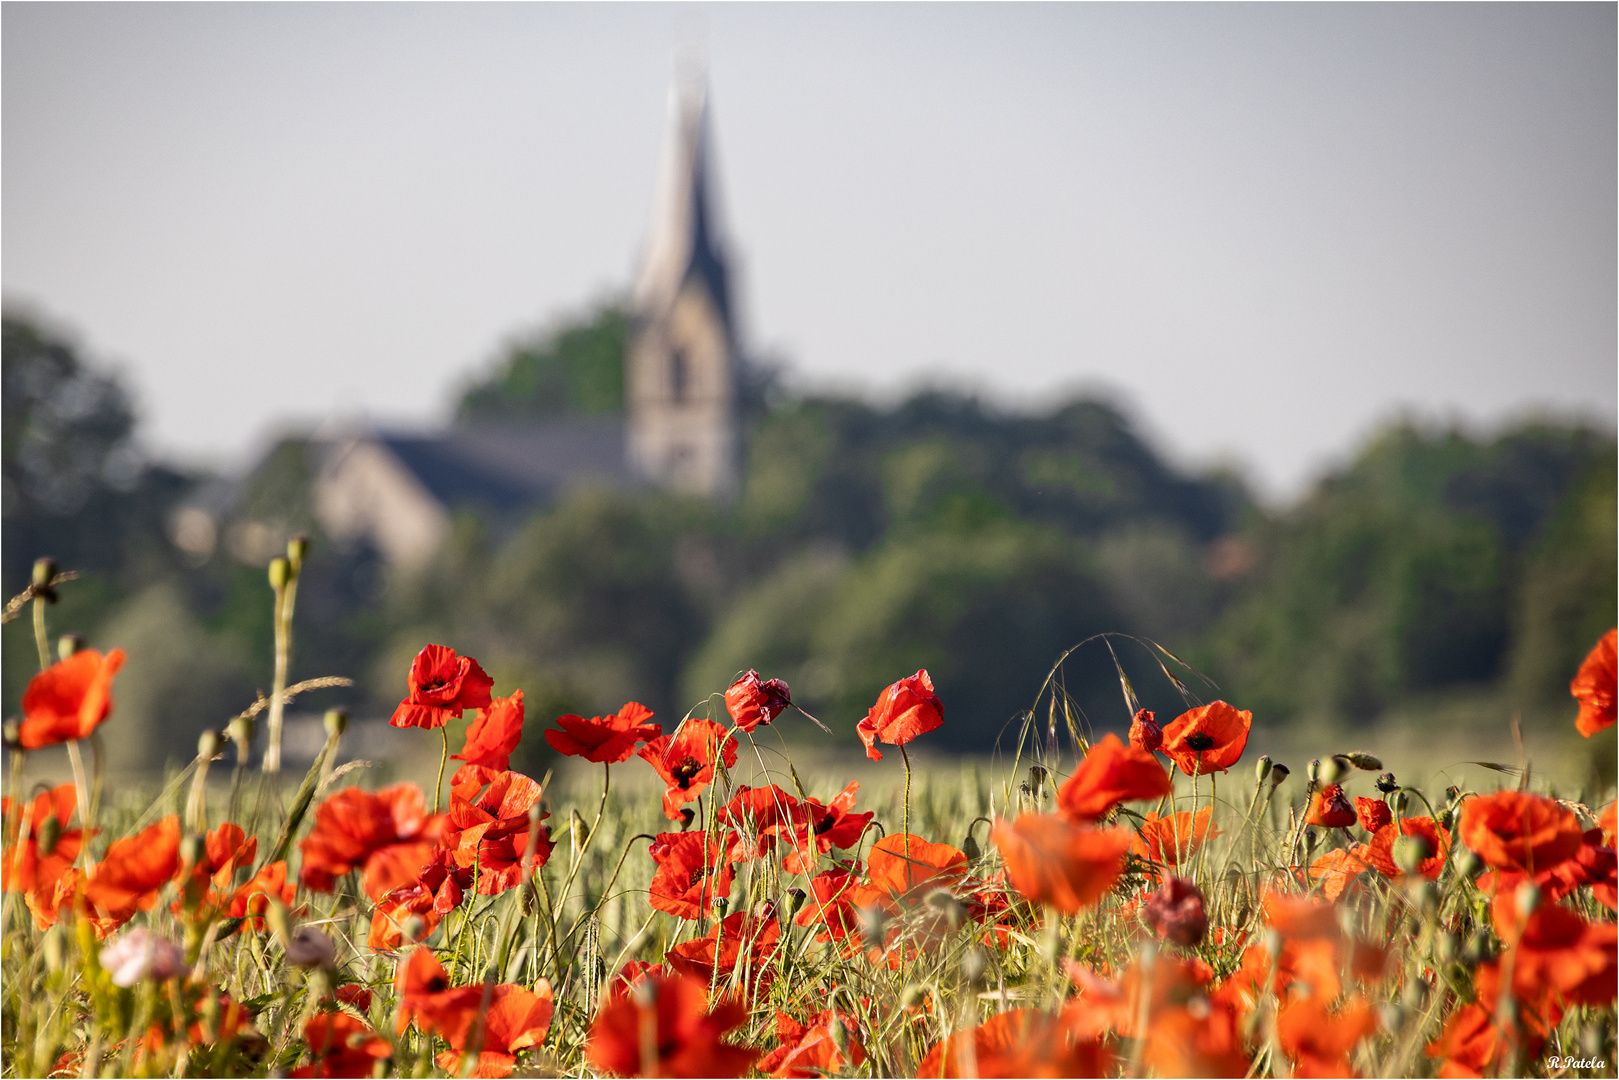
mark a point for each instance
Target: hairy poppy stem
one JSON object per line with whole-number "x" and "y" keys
{"x": 82, "y": 792}
{"x": 905, "y": 824}
{"x": 443, "y": 759}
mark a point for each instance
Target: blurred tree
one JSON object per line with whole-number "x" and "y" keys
{"x": 575, "y": 367}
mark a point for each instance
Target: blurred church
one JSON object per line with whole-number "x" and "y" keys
{"x": 398, "y": 490}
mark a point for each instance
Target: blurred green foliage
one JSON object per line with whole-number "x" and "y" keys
{"x": 867, "y": 541}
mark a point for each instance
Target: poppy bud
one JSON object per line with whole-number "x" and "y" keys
{"x": 241, "y": 733}
{"x": 1593, "y": 1040}
{"x": 913, "y": 995}
{"x": 577, "y": 831}
{"x": 1400, "y": 801}
{"x": 1446, "y": 816}
{"x": 839, "y": 1034}
{"x": 1468, "y": 864}
{"x": 55, "y": 956}
{"x": 297, "y": 551}
{"x": 48, "y": 833}
{"x": 1145, "y": 734}
{"x": 973, "y": 963}
{"x": 1279, "y": 773}
{"x": 413, "y": 929}
{"x": 1310, "y": 840}
{"x": 528, "y": 899}
{"x": 280, "y": 573}
{"x": 795, "y": 900}
{"x": 873, "y": 921}
{"x": 1333, "y": 769}
{"x": 1410, "y": 852}
{"x": 970, "y": 848}
{"x": 67, "y": 645}
{"x": 1313, "y": 770}
{"x": 192, "y": 849}
{"x": 1415, "y": 995}
{"x": 309, "y": 948}
{"x": 1450, "y": 946}
{"x": 1363, "y": 761}
{"x": 12, "y": 733}
{"x": 1527, "y": 899}
{"x": 1393, "y": 1017}
{"x": 1262, "y": 768}
{"x": 941, "y": 901}
{"x": 1452, "y": 793}
{"x": 687, "y": 816}
{"x": 1479, "y": 949}
{"x": 335, "y": 721}
{"x": 208, "y": 745}
{"x": 1426, "y": 896}
{"x": 276, "y": 915}
{"x": 44, "y": 572}
{"x": 1386, "y": 784}
{"x": 1175, "y": 912}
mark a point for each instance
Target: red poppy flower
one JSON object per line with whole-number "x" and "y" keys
{"x": 1116, "y": 1005}
{"x": 1319, "y": 1042}
{"x": 514, "y": 1019}
{"x": 686, "y": 760}
{"x": 41, "y": 858}
{"x": 1019, "y": 1042}
{"x": 1052, "y": 860}
{"x": 1145, "y": 734}
{"x": 389, "y": 835}
{"x": 1515, "y": 830}
{"x": 758, "y": 815}
{"x": 905, "y": 710}
{"x": 134, "y": 870}
{"x": 1594, "y": 687}
{"x": 1436, "y": 841}
{"x": 1207, "y": 739}
{"x": 1337, "y": 869}
{"x": 631, "y": 975}
{"x": 340, "y": 1045}
{"x": 752, "y": 702}
{"x": 1175, "y": 912}
{"x": 694, "y": 869}
{"x": 426, "y": 996}
{"x": 1112, "y": 773}
{"x": 1608, "y": 821}
{"x": 836, "y": 898}
{"x": 1373, "y": 813}
{"x": 1174, "y": 837}
{"x": 822, "y": 827}
{"x": 489, "y": 830}
{"x": 1475, "y": 1040}
{"x": 436, "y": 892}
{"x": 211, "y": 879}
{"x": 68, "y": 699}
{"x": 494, "y": 734}
{"x": 442, "y": 687}
{"x": 609, "y": 739}
{"x": 908, "y": 865}
{"x": 737, "y": 940}
{"x": 664, "y": 1028}
{"x": 1594, "y": 865}
{"x": 1557, "y": 958}
{"x": 1329, "y": 809}
{"x": 809, "y": 1050}
{"x": 252, "y": 899}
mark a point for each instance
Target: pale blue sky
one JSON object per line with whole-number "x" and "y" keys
{"x": 1263, "y": 228}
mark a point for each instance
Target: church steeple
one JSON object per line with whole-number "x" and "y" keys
{"x": 681, "y": 377}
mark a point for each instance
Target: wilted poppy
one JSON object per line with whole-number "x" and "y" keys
{"x": 134, "y": 870}
{"x": 1434, "y": 846}
{"x": 604, "y": 739}
{"x": 664, "y": 1028}
{"x": 1066, "y": 864}
{"x": 740, "y": 940}
{"x": 442, "y": 687}
{"x": 1145, "y": 734}
{"x": 1209, "y": 738}
{"x": 686, "y": 760}
{"x": 48, "y": 848}
{"x": 819, "y": 828}
{"x": 1319, "y": 1042}
{"x": 68, "y": 699}
{"x": 694, "y": 869}
{"x": 515, "y": 1018}
{"x": 1112, "y": 773}
{"x": 1594, "y": 687}
{"x": 1018, "y": 1042}
{"x": 494, "y": 734}
{"x": 1170, "y": 839}
{"x": 1373, "y": 813}
{"x": 489, "y": 830}
{"x": 905, "y": 710}
{"x": 387, "y": 834}
{"x": 1329, "y": 809}
{"x": 752, "y": 702}
{"x": 1516, "y": 830}
{"x": 340, "y": 1045}
{"x": 1175, "y": 912}
{"x": 809, "y": 1049}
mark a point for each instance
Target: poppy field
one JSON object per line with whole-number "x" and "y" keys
{"x": 1172, "y": 903}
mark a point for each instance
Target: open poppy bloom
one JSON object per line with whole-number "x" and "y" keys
{"x": 821, "y": 827}
{"x": 516, "y": 1018}
{"x": 489, "y": 830}
{"x": 252, "y": 899}
{"x": 758, "y": 815}
{"x": 225, "y": 850}
{"x": 1594, "y": 865}
{"x": 1337, "y": 869}
{"x": 48, "y": 848}
{"x": 68, "y": 699}
{"x": 752, "y": 702}
{"x": 1556, "y": 957}
{"x": 836, "y": 898}
{"x": 437, "y": 891}
{"x": 908, "y": 865}
{"x": 134, "y": 870}
{"x": 1515, "y": 830}
{"x": 1319, "y": 1042}
{"x": 609, "y": 739}
{"x": 1594, "y": 687}
{"x": 686, "y": 761}
{"x": 1373, "y": 813}
{"x": 1209, "y": 738}
{"x": 808, "y": 1049}
{"x": 442, "y": 687}
{"x": 1145, "y": 734}
{"x": 631, "y": 975}
{"x": 494, "y": 734}
{"x": 739, "y": 940}
{"x": 1435, "y": 842}
{"x": 664, "y": 1028}
{"x": 694, "y": 870}
{"x": 905, "y": 710}
{"x": 1052, "y": 860}
{"x": 1329, "y": 809}
{"x": 427, "y": 998}
{"x": 1174, "y": 837}
{"x": 1018, "y": 1042}
{"x": 1475, "y": 1041}
{"x": 387, "y": 834}
{"x": 340, "y": 1045}
{"x": 1112, "y": 773}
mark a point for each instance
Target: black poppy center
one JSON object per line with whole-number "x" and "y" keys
{"x": 685, "y": 770}
{"x": 435, "y": 683}
{"x": 1200, "y": 741}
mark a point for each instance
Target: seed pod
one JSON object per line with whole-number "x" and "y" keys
{"x": 67, "y": 645}
{"x": 297, "y": 551}
{"x": 687, "y": 816}
{"x": 48, "y": 833}
{"x": 1386, "y": 784}
{"x": 280, "y": 573}
{"x": 1363, "y": 761}
{"x": 208, "y": 745}
{"x": 1310, "y": 840}
{"x": 335, "y": 721}
{"x": 1279, "y": 773}
{"x": 1313, "y": 770}
{"x": 721, "y": 904}
{"x": 1410, "y": 852}
{"x": 1468, "y": 864}
{"x": 44, "y": 572}
{"x": 1262, "y": 768}
{"x": 1037, "y": 776}
{"x": 795, "y": 900}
